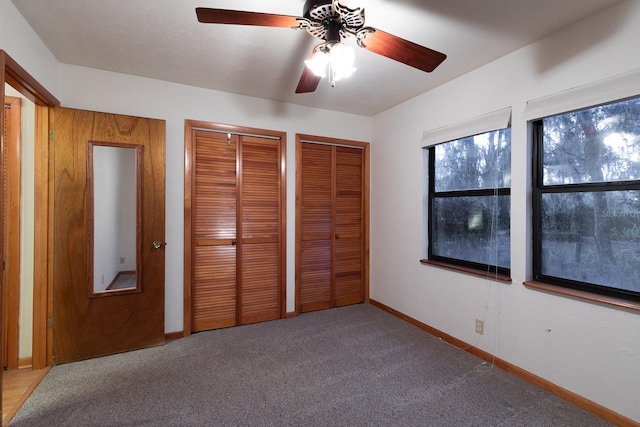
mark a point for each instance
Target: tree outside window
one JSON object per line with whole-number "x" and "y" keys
{"x": 587, "y": 199}
{"x": 469, "y": 202}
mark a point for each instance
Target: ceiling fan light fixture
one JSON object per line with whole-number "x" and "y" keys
{"x": 318, "y": 63}
{"x": 335, "y": 57}
{"x": 341, "y": 59}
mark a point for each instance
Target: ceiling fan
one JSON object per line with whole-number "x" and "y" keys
{"x": 332, "y": 21}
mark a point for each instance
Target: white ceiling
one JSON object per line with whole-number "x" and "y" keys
{"x": 162, "y": 39}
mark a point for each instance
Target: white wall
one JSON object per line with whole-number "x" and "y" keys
{"x": 23, "y": 45}
{"x": 92, "y": 89}
{"x": 591, "y": 349}
{"x": 128, "y": 203}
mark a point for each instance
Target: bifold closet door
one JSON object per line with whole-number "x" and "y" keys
{"x": 349, "y": 214}
{"x": 237, "y": 255}
{"x": 315, "y": 266}
{"x": 331, "y": 242}
{"x": 259, "y": 234}
{"x": 214, "y": 287}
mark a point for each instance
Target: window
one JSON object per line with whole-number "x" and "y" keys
{"x": 469, "y": 183}
{"x": 586, "y": 199}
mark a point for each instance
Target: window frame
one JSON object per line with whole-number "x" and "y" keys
{"x": 499, "y": 273}
{"x": 538, "y": 190}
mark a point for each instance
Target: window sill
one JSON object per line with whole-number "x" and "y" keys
{"x": 589, "y": 296}
{"x": 472, "y": 271}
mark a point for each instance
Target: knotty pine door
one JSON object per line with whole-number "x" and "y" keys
{"x": 237, "y": 224}
{"x": 332, "y": 223}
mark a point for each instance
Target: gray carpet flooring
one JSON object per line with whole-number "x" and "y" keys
{"x": 350, "y": 366}
{"x": 123, "y": 280}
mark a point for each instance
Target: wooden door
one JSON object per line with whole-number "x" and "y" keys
{"x": 234, "y": 227}
{"x": 214, "y": 231}
{"x": 332, "y": 213}
{"x": 86, "y": 324}
{"x": 349, "y": 226}
{"x": 260, "y": 228}
{"x": 317, "y": 228}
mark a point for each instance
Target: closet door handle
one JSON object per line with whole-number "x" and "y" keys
{"x": 337, "y": 236}
{"x": 233, "y": 243}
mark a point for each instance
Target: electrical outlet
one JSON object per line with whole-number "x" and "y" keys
{"x": 121, "y": 260}
{"x": 479, "y": 326}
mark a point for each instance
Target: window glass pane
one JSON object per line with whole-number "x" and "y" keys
{"x": 474, "y": 229}
{"x": 477, "y": 162}
{"x": 592, "y": 237}
{"x": 598, "y": 144}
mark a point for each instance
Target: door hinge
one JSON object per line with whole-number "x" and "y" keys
{"x": 52, "y": 134}
{"x": 49, "y": 322}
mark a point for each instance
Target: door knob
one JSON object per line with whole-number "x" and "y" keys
{"x": 156, "y": 244}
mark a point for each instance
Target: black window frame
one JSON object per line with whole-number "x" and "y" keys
{"x": 539, "y": 189}
{"x": 432, "y": 194}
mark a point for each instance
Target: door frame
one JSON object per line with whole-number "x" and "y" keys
{"x": 190, "y": 126}
{"x": 366, "y": 176}
{"x": 12, "y": 73}
{"x": 12, "y": 150}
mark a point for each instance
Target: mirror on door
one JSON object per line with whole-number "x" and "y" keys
{"x": 113, "y": 215}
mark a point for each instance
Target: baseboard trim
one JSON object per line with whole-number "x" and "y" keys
{"x": 25, "y": 363}
{"x": 571, "y": 397}
{"x": 290, "y": 314}
{"x": 174, "y": 335}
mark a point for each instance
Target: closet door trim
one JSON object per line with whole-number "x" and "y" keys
{"x": 361, "y": 147}
{"x": 257, "y": 135}
{"x": 191, "y": 127}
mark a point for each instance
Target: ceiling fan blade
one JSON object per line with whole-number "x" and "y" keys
{"x": 308, "y": 81}
{"x": 223, "y": 16}
{"x": 399, "y": 49}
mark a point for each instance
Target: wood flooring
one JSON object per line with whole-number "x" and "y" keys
{"x": 17, "y": 386}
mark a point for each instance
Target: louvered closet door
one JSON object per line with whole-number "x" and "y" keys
{"x": 259, "y": 233}
{"x": 349, "y": 226}
{"x": 331, "y": 245}
{"x": 214, "y": 232}
{"x": 237, "y": 248}
{"x": 316, "y": 227}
